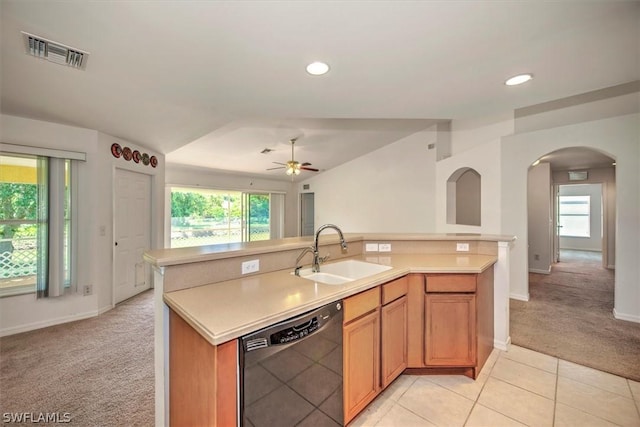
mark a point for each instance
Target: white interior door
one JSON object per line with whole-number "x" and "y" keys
{"x": 132, "y": 233}
{"x": 307, "y": 213}
{"x": 556, "y": 224}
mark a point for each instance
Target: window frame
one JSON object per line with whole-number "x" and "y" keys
{"x": 69, "y": 214}
{"x": 580, "y": 199}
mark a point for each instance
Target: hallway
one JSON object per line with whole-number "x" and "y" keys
{"x": 570, "y": 316}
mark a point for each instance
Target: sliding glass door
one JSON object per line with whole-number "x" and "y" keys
{"x": 206, "y": 216}
{"x": 256, "y": 217}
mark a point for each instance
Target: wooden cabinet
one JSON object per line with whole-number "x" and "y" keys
{"x": 393, "y": 330}
{"x": 450, "y": 329}
{"x": 458, "y": 321}
{"x": 415, "y": 321}
{"x": 361, "y": 350}
{"x": 203, "y": 378}
{"x": 374, "y": 342}
{"x": 394, "y": 340}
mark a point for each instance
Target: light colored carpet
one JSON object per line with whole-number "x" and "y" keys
{"x": 99, "y": 370}
{"x": 570, "y": 316}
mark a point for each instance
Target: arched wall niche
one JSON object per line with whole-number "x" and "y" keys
{"x": 463, "y": 197}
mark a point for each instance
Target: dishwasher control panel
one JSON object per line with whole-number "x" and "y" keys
{"x": 295, "y": 332}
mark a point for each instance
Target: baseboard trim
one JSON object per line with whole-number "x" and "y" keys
{"x": 519, "y": 297}
{"x": 105, "y": 309}
{"x": 43, "y": 324}
{"x": 627, "y": 317}
{"x": 535, "y": 270}
{"x": 502, "y": 345}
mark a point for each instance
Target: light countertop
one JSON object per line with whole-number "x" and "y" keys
{"x": 228, "y": 310}
{"x": 167, "y": 257}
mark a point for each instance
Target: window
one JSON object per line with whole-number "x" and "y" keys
{"x": 206, "y": 216}
{"x": 574, "y": 216}
{"x": 35, "y": 225}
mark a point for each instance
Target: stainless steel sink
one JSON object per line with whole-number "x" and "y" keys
{"x": 340, "y": 272}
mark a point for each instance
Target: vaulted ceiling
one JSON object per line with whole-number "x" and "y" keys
{"x": 212, "y": 83}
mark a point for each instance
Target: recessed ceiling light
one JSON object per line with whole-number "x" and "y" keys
{"x": 317, "y": 68}
{"x": 519, "y": 79}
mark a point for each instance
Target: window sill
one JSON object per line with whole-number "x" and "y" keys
{"x": 14, "y": 286}
{"x": 17, "y": 290}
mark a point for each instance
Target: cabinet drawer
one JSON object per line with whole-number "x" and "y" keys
{"x": 361, "y": 303}
{"x": 393, "y": 290}
{"x": 451, "y": 283}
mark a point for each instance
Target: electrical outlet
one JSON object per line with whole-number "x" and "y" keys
{"x": 87, "y": 290}
{"x": 384, "y": 247}
{"x": 251, "y": 266}
{"x": 371, "y": 247}
{"x": 536, "y": 257}
{"x": 462, "y": 247}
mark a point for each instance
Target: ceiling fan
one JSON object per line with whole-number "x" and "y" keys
{"x": 292, "y": 167}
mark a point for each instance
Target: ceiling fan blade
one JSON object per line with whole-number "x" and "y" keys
{"x": 309, "y": 169}
{"x": 305, "y": 164}
{"x": 279, "y": 167}
{"x": 278, "y": 163}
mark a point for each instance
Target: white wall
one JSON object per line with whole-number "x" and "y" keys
{"x": 484, "y": 159}
{"x": 540, "y": 221}
{"x": 617, "y": 137}
{"x": 594, "y": 242}
{"x": 107, "y": 167}
{"x": 389, "y": 190}
{"x": 95, "y": 208}
{"x": 470, "y": 133}
{"x": 201, "y": 177}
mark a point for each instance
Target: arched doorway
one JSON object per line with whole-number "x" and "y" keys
{"x": 571, "y": 205}
{"x": 571, "y": 256}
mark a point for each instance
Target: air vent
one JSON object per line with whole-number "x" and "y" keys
{"x": 266, "y": 151}
{"x": 578, "y": 176}
{"x": 55, "y": 52}
{"x": 256, "y": 343}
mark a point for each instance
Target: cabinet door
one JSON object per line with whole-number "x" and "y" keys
{"x": 450, "y": 329}
{"x": 394, "y": 340}
{"x": 361, "y": 343}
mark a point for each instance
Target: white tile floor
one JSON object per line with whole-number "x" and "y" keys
{"x": 515, "y": 388}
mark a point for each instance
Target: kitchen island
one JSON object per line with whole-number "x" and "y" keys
{"x": 205, "y": 289}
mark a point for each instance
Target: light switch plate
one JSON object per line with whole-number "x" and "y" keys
{"x": 384, "y": 247}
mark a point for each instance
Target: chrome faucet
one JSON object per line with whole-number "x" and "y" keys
{"x": 317, "y": 259}
{"x": 298, "y": 266}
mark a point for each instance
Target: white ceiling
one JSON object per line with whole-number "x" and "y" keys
{"x": 212, "y": 83}
{"x": 576, "y": 158}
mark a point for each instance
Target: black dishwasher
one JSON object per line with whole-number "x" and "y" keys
{"x": 291, "y": 372}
